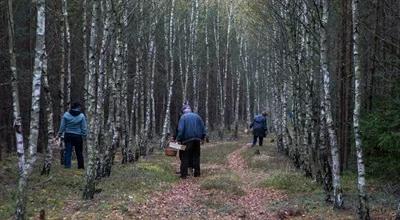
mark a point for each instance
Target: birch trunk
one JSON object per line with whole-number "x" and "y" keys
{"x": 89, "y": 188}
{"x": 206, "y": 116}
{"x": 247, "y": 72}
{"x": 337, "y": 188}
{"x": 193, "y": 57}
{"x": 363, "y": 209}
{"x": 67, "y": 49}
{"x": 225, "y": 73}
{"x": 27, "y": 166}
{"x": 219, "y": 80}
{"x": 166, "y": 126}
{"x": 150, "y": 82}
{"x": 84, "y": 47}
{"x": 19, "y": 139}
{"x": 238, "y": 76}
{"x": 100, "y": 114}
{"x": 51, "y": 135}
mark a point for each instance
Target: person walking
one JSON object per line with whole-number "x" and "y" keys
{"x": 73, "y": 129}
{"x": 191, "y": 132}
{"x": 259, "y": 126}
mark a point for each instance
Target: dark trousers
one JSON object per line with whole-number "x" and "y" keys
{"x": 191, "y": 156}
{"x": 260, "y": 140}
{"x": 73, "y": 140}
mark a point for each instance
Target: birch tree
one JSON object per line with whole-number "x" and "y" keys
{"x": 26, "y": 165}
{"x": 89, "y": 187}
{"x": 363, "y": 209}
{"x": 337, "y": 188}
{"x": 166, "y": 125}
{"x": 67, "y": 49}
{"x": 51, "y": 134}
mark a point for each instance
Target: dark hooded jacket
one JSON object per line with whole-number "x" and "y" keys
{"x": 191, "y": 127}
{"x": 73, "y": 122}
{"x": 259, "y": 126}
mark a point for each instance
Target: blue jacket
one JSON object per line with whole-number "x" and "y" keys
{"x": 190, "y": 127}
{"x": 73, "y": 122}
{"x": 259, "y": 126}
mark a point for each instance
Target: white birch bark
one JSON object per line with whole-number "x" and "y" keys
{"x": 225, "y": 70}
{"x": 363, "y": 209}
{"x": 247, "y": 72}
{"x": 206, "y": 116}
{"x": 51, "y": 135}
{"x": 19, "y": 139}
{"x": 219, "y": 79}
{"x": 89, "y": 188}
{"x": 166, "y": 125}
{"x": 193, "y": 57}
{"x": 102, "y": 75}
{"x": 150, "y": 82}
{"x": 27, "y": 166}
{"x": 84, "y": 47}
{"x": 67, "y": 35}
{"x": 337, "y": 188}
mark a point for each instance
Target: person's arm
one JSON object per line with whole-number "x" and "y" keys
{"x": 62, "y": 127}
{"x": 203, "y": 129}
{"x": 181, "y": 127}
{"x": 84, "y": 126}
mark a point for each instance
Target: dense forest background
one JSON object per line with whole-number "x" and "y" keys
{"x": 134, "y": 63}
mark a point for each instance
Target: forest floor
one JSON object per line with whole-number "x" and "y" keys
{"x": 237, "y": 182}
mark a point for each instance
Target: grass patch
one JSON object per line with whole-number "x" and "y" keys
{"x": 290, "y": 182}
{"x": 218, "y": 154}
{"x": 128, "y": 184}
{"x": 265, "y": 158}
{"x": 227, "y": 182}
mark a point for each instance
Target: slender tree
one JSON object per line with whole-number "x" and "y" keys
{"x": 337, "y": 188}
{"x": 363, "y": 209}
{"x": 89, "y": 188}
{"x": 26, "y": 166}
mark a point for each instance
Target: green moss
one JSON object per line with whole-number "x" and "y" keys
{"x": 226, "y": 182}
{"x": 218, "y": 154}
{"x": 290, "y": 182}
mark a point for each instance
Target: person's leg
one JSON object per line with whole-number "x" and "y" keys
{"x": 67, "y": 151}
{"x": 78, "y": 143}
{"x": 260, "y": 140}
{"x": 185, "y": 160}
{"x": 196, "y": 158}
{"x": 254, "y": 140}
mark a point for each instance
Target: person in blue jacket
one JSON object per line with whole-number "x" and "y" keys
{"x": 73, "y": 129}
{"x": 259, "y": 126}
{"x": 191, "y": 132}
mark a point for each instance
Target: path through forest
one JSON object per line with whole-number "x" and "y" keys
{"x": 191, "y": 199}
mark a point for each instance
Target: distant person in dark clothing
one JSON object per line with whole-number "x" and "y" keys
{"x": 259, "y": 126}
{"x": 191, "y": 132}
{"x": 73, "y": 129}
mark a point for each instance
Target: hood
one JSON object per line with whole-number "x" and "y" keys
{"x": 259, "y": 118}
{"x": 75, "y": 112}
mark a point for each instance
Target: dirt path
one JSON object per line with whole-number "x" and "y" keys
{"x": 188, "y": 200}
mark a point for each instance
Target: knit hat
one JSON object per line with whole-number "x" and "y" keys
{"x": 186, "y": 109}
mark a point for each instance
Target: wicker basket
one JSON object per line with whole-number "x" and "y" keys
{"x": 170, "y": 152}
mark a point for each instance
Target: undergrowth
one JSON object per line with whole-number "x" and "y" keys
{"x": 60, "y": 192}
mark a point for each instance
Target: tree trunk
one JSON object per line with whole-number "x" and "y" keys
{"x": 337, "y": 188}
{"x": 27, "y": 166}
{"x": 193, "y": 57}
{"x": 51, "y": 135}
{"x": 89, "y": 188}
{"x": 363, "y": 209}
{"x": 166, "y": 126}
{"x": 67, "y": 35}
{"x": 206, "y": 116}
